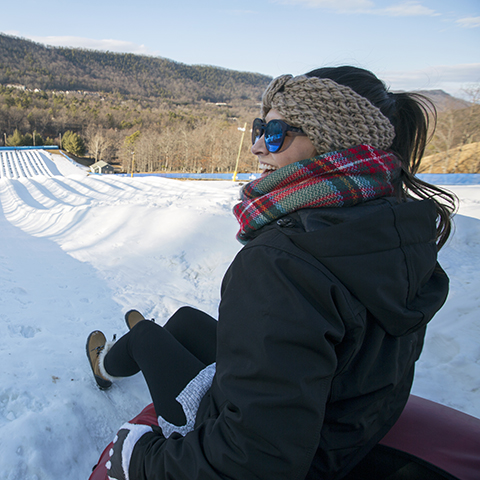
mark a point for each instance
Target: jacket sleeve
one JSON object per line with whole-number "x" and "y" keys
{"x": 280, "y": 318}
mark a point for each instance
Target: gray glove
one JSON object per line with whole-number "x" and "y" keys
{"x": 121, "y": 451}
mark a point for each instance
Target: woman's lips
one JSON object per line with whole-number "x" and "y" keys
{"x": 266, "y": 167}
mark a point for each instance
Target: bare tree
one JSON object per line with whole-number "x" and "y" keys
{"x": 456, "y": 129}
{"x": 98, "y": 142}
{"x": 469, "y": 126}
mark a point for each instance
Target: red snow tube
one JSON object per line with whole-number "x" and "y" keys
{"x": 444, "y": 442}
{"x": 438, "y": 435}
{"x": 146, "y": 417}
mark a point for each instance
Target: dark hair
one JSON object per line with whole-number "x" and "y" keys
{"x": 410, "y": 114}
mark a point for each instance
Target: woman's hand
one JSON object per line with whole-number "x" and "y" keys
{"x": 121, "y": 451}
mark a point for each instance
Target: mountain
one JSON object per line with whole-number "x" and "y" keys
{"x": 444, "y": 101}
{"x": 33, "y": 65}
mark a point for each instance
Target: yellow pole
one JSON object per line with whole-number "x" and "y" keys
{"x": 133, "y": 163}
{"x": 239, "y": 151}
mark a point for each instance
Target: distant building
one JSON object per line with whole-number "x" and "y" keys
{"x": 18, "y": 87}
{"x": 101, "y": 167}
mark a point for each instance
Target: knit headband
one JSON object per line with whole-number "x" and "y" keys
{"x": 333, "y": 116}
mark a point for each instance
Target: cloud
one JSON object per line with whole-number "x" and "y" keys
{"x": 243, "y": 12}
{"x": 13, "y": 33}
{"x": 337, "y": 5}
{"x": 469, "y": 22}
{"x": 406, "y": 9}
{"x": 110, "y": 45}
{"x": 451, "y": 78}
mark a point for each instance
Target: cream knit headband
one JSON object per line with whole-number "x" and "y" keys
{"x": 333, "y": 116}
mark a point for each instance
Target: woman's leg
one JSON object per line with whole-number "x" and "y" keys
{"x": 165, "y": 363}
{"x": 196, "y": 331}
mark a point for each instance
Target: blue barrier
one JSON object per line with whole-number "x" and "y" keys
{"x": 196, "y": 176}
{"x": 433, "y": 178}
{"x": 450, "y": 178}
{"x": 43, "y": 147}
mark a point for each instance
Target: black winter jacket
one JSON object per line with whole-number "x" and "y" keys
{"x": 321, "y": 320}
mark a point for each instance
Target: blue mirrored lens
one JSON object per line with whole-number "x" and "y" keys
{"x": 274, "y": 133}
{"x": 274, "y": 136}
{"x": 258, "y": 129}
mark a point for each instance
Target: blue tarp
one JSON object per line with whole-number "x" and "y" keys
{"x": 451, "y": 178}
{"x": 197, "y": 176}
{"x": 433, "y": 178}
{"x": 43, "y": 147}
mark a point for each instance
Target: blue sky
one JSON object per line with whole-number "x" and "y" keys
{"x": 425, "y": 44}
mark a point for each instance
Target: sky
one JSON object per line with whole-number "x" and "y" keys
{"x": 411, "y": 45}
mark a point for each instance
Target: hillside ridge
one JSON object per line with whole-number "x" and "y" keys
{"x": 36, "y": 66}
{"x": 33, "y": 65}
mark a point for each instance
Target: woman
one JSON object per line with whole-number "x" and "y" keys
{"x": 322, "y": 313}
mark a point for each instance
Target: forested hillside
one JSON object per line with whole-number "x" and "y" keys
{"x": 173, "y": 116}
{"x": 51, "y": 68}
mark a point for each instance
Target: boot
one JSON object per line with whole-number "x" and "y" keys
{"x": 132, "y": 317}
{"x": 97, "y": 347}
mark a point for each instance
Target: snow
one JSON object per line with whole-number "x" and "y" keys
{"x": 78, "y": 250}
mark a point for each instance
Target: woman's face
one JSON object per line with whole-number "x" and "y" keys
{"x": 294, "y": 148}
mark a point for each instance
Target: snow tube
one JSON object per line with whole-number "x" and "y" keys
{"x": 146, "y": 417}
{"x": 442, "y": 440}
{"x": 438, "y": 435}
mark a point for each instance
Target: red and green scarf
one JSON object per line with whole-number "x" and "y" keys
{"x": 336, "y": 179}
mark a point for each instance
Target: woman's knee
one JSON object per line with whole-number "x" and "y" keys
{"x": 183, "y": 315}
{"x": 146, "y": 329}
{"x": 187, "y": 318}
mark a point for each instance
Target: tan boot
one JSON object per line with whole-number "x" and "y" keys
{"x": 97, "y": 347}
{"x": 132, "y": 317}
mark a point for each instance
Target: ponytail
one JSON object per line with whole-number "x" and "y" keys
{"x": 411, "y": 120}
{"x": 410, "y": 114}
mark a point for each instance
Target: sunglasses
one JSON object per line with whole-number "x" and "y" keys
{"x": 274, "y": 131}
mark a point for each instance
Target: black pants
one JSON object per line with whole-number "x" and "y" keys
{"x": 169, "y": 357}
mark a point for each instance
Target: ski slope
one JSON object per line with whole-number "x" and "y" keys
{"x": 26, "y": 164}
{"x": 78, "y": 250}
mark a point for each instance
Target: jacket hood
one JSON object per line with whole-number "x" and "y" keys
{"x": 384, "y": 252}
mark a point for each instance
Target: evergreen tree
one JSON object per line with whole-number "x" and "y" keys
{"x": 38, "y": 139}
{"x": 16, "y": 140}
{"x": 73, "y": 143}
{"x": 28, "y": 140}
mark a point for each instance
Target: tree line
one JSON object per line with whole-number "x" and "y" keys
{"x": 95, "y": 103}
{"x": 147, "y": 135}
{"x": 150, "y": 134}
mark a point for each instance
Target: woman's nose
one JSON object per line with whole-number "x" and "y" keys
{"x": 259, "y": 147}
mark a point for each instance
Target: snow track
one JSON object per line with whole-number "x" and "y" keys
{"x": 24, "y": 164}
{"x": 76, "y": 252}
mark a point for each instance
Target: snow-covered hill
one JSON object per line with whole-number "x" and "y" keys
{"x": 77, "y": 251}
{"x": 24, "y": 164}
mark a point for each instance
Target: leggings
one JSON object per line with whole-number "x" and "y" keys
{"x": 169, "y": 357}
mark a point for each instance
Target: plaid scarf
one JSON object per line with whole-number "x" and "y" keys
{"x": 336, "y": 179}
